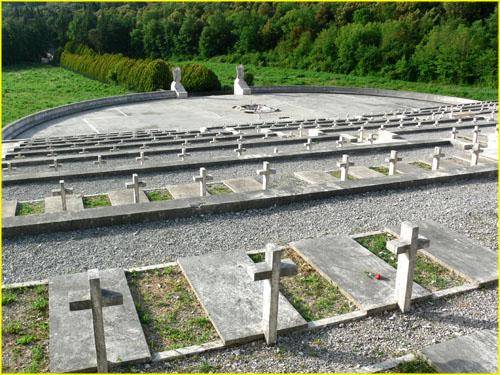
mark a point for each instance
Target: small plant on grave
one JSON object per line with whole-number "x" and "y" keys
{"x": 381, "y": 169}
{"x": 26, "y": 339}
{"x": 258, "y": 257}
{"x": 30, "y": 208}
{"x": 425, "y": 166}
{"x": 96, "y": 201}
{"x": 41, "y": 303}
{"x": 417, "y": 366}
{"x": 336, "y": 174}
{"x": 14, "y": 328}
{"x": 159, "y": 195}
{"x": 215, "y": 189}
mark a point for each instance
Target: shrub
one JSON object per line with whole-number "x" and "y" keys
{"x": 249, "y": 78}
{"x": 157, "y": 75}
{"x": 57, "y": 56}
{"x": 198, "y": 78}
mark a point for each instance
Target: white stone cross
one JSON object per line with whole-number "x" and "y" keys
{"x": 240, "y": 149}
{"x": 183, "y": 154}
{"x": 83, "y": 151}
{"x": 62, "y": 192}
{"x": 142, "y": 158}
{"x": 9, "y": 168}
{"x": 144, "y": 146}
{"x": 361, "y": 133}
{"x": 401, "y": 125}
{"x": 52, "y": 153}
{"x": 406, "y": 247}
{"x": 474, "y": 120}
{"x": 341, "y": 141}
{"x": 344, "y": 167}
{"x": 270, "y": 272}
{"x": 214, "y": 140}
{"x": 135, "y": 184}
{"x": 266, "y": 174}
{"x": 99, "y": 161}
{"x": 436, "y": 123}
{"x": 393, "y": 159}
{"x": 301, "y": 130}
{"x": 454, "y": 133}
{"x": 95, "y": 301}
{"x": 419, "y": 124}
{"x": 382, "y": 127}
{"x": 436, "y": 157}
{"x": 56, "y": 165}
{"x": 308, "y": 144}
{"x": 114, "y": 149}
{"x": 475, "y": 134}
{"x": 476, "y": 149}
{"x": 370, "y": 138}
{"x": 186, "y": 143}
{"x": 202, "y": 179}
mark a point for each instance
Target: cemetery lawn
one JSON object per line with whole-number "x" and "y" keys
{"x": 96, "y": 201}
{"x": 428, "y": 273}
{"x": 159, "y": 195}
{"x": 25, "y": 330}
{"x": 425, "y": 166}
{"x": 264, "y": 76}
{"x": 336, "y": 174}
{"x": 214, "y": 189}
{"x": 310, "y": 293}
{"x": 30, "y": 208}
{"x": 168, "y": 309}
{"x": 30, "y": 88}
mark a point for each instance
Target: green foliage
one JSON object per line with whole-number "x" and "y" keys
{"x": 198, "y": 78}
{"x": 57, "y": 56}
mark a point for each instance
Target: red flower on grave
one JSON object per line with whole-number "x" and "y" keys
{"x": 378, "y": 276}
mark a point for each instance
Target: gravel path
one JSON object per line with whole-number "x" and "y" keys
{"x": 284, "y": 176}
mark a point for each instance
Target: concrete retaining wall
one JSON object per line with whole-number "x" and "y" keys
{"x": 17, "y": 127}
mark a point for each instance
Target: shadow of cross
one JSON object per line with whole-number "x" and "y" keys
{"x": 95, "y": 300}
{"x": 270, "y": 271}
{"x": 62, "y": 191}
{"x": 406, "y": 247}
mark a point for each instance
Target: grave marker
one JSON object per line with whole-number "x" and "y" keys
{"x": 436, "y": 158}
{"x": 202, "y": 179}
{"x": 344, "y": 167}
{"x": 340, "y": 142}
{"x": 143, "y": 147}
{"x": 266, "y": 174}
{"x": 361, "y": 133}
{"x": 97, "y": 299}
{"x": 62, "y": 192}
{"x": 114, "y": 149}
{"x": 183, "y": 154}
{"x": 240, "y": 149}
{"x": 56, "y": 165}
{"x": 135, "y": 184}
{"x": 476, "y": 149}
{"x": 270, "y": 272}
{"x": 393, "y": 159}
{"x": 99, "y": 161}
{"x": 475, "y": 134}
{"x": 308, "y": 144}
{"x": 142, "y": 158}
{"x": 9, "y": 168}
{"x": 454, "y": 133}
{"x": 406, "y": 247}
{"x": 83, "y": 151}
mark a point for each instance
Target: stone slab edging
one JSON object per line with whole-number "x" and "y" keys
{"x": 177, "y": 208}
{"x": 181, "y": 165}
{"x": 359, "y": 91}
{"x": 19, "y": 126}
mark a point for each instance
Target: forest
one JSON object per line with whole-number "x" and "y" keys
{"x": 450, "y": 42}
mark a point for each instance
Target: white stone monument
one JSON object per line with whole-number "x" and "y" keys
{"x": 176, "y": 84}
{"x": 240, "y": 86}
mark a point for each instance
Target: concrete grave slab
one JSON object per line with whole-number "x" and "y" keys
{"x": 482, "y": 159}
{"x": 444, "y": 164}
{"x": 9, "y": 208}
{"x": 121, "y": 197}
{"x": 240, "y": 185}
{"x": 476, "y": 353}
{"x": 232, "y": 300}
{"x": 314, "y": 132}
{"x": 349, "y": 138}
{"x": 364, "y": 172}
{"x": 184, "y": 190}
{"x": 467, "y": 258}
{"x": 315, "y": 177}
{"x": 72, "y": 347}
{"x": 54, "y": 204}
{"x": 405, "y": 168}
{"x": 346, "y": 263}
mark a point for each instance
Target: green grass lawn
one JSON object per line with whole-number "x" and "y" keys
{"x": 31, "y": 88}
{"x": 265, "y": 76}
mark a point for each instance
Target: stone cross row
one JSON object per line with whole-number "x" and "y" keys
{"x": 266, "y": 173}
{"x": 95, "y": 301}
{"x": 135, "y": 184}
{"x": 344, "y": 167}
{"x": 202, "y": 179}
{"x": 99, "y": 161}
{"x": 142, "y": 158}
{"x": 183, "y": 154}
{"x": 436, "y": 157}
{"x": 240, "y": 149}
{"x": 393, "y": 159}
{"x": 56, "y": 165}
{"x": 62, "y": 191}
{"x": 270, "y": 272}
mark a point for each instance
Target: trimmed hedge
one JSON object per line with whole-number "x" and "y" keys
{"x": 199, "y": 78}
{"x": 143, "y": 75}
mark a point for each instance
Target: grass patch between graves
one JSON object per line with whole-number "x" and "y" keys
{"x": 336, "y": 174}
{"x": 417, "y": 366}
{"x": 30, "y": 208}
{"x": 215, "y": 189}
{"x": 425, "y": 166}
{"x": 310, "y": 293}
{"x": 169, "y": 312}
{"x": 96, "y": 201}
{"x": 381, "y": 169}
{"x": 159, "y": 195}
{"x": 25, "y": 330}
{"x": 428, "y": 273}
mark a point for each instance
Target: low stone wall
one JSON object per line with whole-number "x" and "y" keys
{"x": 17, "y": 127}
{"x": 359, "y": 91}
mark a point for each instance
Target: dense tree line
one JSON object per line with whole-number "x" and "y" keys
{"x": 448, "y": 42}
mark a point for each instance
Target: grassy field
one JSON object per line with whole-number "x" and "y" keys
{"x": 31, "y": 88}
{"x": 265, "y": 76}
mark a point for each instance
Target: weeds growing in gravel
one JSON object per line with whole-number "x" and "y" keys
{"x": 96, "y": 201}
{"x": 30, "y": 208}
{"x": 159, "y": 195}
{"x": 336, "y": 174}
{"x": 425, "y": 166}
{"x": 214, "y": 189}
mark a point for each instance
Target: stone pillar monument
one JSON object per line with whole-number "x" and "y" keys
{"x": 240, "y": 86}
{"x": 176, "y": 85}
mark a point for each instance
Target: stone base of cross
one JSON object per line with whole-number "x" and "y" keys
{"x": 95, "y": 301}
{"x": 344, "y": 167}
{"x": 135, "y": 184}
{"x": 266, "y": 173}
{"x": 393, "y": 159}
{"x": 436, "y": 157}
{"x": 202, "y": 179}
{"x": 406, "y": 247}
{"x": 270, "y": 272}
{"x": 62, "y": 191}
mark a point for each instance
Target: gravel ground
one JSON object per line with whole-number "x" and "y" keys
{"x": 351, "y": 345}
{"x": 284, "y": 176}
